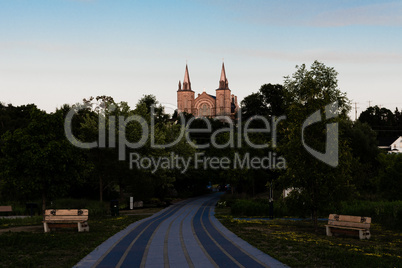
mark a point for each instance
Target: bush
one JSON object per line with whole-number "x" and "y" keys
{"x": 249, "y": 208}
{"x": 230, "y": 199}
{"x": 95, "y": 208}
{"x": 296, "y": 204}
{"x": 388, "y": 214}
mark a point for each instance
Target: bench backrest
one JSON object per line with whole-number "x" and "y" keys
{"x": 349, "y": 221}
{"x": 6, "y": 209}
{"x": 66, "y": 214}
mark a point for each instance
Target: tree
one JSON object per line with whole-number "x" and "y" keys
{"x": 99, "y": 109}
{"x": 377, "y": 117}
{"x": 389, "y": 177}
{"x": 252, "y": 105}
{"x": 12, "y": 117}
{"x": 386, "y": 124}
{"x": 268, "y": 101}
{"x": 362, "y": 141}
{"x": 39, "y": 161}
{"x": 307, "y": 92}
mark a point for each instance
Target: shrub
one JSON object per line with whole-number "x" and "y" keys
{"x": 249, "y": 208}
{"x": 94, "y": 207}
{"x": 388, "y": 214}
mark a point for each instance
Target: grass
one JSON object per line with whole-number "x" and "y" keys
{"x": 62, "y": 248}
{"x": 296, "y": 244}
{"x": 29, "y": 221}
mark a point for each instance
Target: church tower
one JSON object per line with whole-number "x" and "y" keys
{"x": 185, "y": 96}
{"x": 223, "y": 95}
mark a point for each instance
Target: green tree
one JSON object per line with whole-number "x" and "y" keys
{"x": 39, "y": 161}
{"x": 268, "y": 101}
{"x": 386, "y": 124}
{"x": 390, "y": 176}
{"x": 363, "y": 144}
{"x": 306, "y": 92}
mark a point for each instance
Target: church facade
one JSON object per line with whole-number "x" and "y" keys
{"x": 224, "y": 103}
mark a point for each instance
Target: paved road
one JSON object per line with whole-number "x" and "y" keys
{"x": 183, "y": 235}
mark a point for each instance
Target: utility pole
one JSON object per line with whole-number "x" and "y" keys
{"x": 369, "y": 103}
{"x": 356, "y": 110}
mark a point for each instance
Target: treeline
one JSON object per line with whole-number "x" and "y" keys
{"x": 387, "y": 124}
{"x": 38, "y": 161}
{"x": 296, "y": 135}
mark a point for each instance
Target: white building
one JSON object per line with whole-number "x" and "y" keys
{"x": 396, "y": 146}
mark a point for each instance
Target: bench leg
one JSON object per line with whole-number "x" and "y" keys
{"x": 368, "y": 234}
{"x": 46, "y": 227}
{"x": 364, "y": 234}
{"x": 83, "y": 227}
{"x": 329, "y": 233}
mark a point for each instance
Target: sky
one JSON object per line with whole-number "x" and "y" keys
{"x": 54, "y": 52}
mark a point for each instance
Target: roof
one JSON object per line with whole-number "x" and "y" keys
{"x": 223, "y": 73}
{"x": 386, "y": 141}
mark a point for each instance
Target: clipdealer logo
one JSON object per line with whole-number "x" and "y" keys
{"x": 199, "y": 160}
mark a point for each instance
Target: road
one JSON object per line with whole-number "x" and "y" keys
{"x": 183, "y": 235}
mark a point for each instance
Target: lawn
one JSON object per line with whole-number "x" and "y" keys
{"x": 296, "y": 244}
{"x": 62, "y": 248}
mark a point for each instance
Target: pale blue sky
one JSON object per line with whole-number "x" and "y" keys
{"x": 61, "y": 51}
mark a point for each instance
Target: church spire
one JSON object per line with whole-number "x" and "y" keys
{"x": 223, "y": 82}
{"x": 223, "y": 73}
{"x": 186, "y": 81}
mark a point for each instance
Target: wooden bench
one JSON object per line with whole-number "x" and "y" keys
{"x": 349, "y": 225}
{"x": 66, "y": 218}
{"x": 6, "y": 209}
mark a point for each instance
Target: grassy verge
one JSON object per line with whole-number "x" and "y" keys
{"x": 28, "y": 221}
{"x": 62, "y": 248}
{"x": 296, "y": 244}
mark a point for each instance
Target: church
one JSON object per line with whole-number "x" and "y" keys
{"x": 205, "y": 105}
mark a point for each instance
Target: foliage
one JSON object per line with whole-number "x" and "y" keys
{"x": 388, "y": 214}
{"x": 308, "y": 91}
{"x": 389, "y": 178}
{"x": 362, "y": 141}
{"x": 95, "y": 208}
{"x": 12, "y": 118}
{"x": 37, "y": 162}
{"x": 247, "y": 208}
{"x": 268, "y": 101}
{"x": 387, "y": 124}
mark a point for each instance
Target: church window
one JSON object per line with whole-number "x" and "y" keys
{"x": 185, "y": 103}
{"x": 205, "y": 110}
